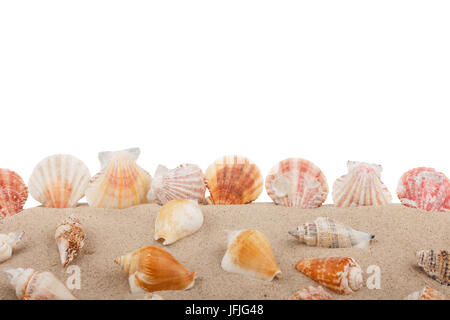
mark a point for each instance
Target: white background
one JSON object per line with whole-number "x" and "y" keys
{"x": 190, "y": 81}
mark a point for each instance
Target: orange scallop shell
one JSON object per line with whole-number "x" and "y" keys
{"x": 13, "y": 193}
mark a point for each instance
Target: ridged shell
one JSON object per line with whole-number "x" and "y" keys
{"x": 69, "y": 238}
{"x": 297, "y": 183}
{"x": 121, "y": 183}
{"x": 327, "y": 233}
{"x": 361, "y": 186}
{"x": 184, "y": 182}
{"x": 34, "y": 285}
{"x": 427, "y": 293}
{"x": 436, "y": 264}
{"x": 178, "y": 219}
{"x": 424, "y": 188}
{"x": 249, "y": 253}
{"x": 13, "y": 193}
{"x": 311, "y": 293}
{"x": 342, "y": 275}
{"x": 59, "y": 181}
{"x": 154, "y": 269}
{"x": 8, "y": 243}
{"x": 233, "y": 180}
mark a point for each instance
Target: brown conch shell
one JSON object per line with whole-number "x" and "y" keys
{"x": 436, "y": 264}
{"x": 427, "y": 293}
{"x": 69, "y": 238}
{"x": 311, "y": 293}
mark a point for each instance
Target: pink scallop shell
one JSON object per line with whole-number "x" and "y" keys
{"x": 13, "y": 193}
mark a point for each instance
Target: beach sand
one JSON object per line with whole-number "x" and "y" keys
{"x": 399, "y": 232}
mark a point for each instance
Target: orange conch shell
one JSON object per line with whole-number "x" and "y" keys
{"x": 13, "y": 193}
{"x": 427, "y": 293}
{"x": 311, "y": 293}
{"x": 436, "y": 264}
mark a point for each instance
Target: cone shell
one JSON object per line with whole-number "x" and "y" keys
{"x": 424, "y": 188}
{"x": 154, "y": 269}
{"x": 13, "y": 193}
{"x": 342, "y": 275}
{"x": 436, "y": 264}
{"x": 184, "y": 182}
{"x": 121, "y": 183}
{"x": 297, "y": 183}
{"x": 69, "y": 238}
{"x": 249, "y": 253}
{"x": 34, "y": 285}
{"x": 361, "y": 186}
{"x": 8, "y": 243}
{"x": 427, "y": 293}
{"x": 177, "y": 219}
{"x": 233, "y": 180}
{"x": 325, "y": 232}
{"x": 59, "y": 181}
{"x": 311, "y": 293}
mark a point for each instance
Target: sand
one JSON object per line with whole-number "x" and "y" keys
{"x": 399, "y": 232}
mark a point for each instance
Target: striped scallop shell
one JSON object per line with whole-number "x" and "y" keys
{"x": 184, "y": 182}
{"x": 436, "y": 264}
{"x": 121, "y": 183}
{"x": 233, "y": 180}
{"x": 297, "y": 183}
{"x": 59, "y": 181}
{"x": 13, "y": 193}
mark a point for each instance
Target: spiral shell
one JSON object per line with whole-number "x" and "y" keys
{"x": 311, "y": 293}
{"x": 436, "y": 264}
{"x": 8, "y": 243}
{"x": 427, "y": 293}
{"x": 13, "y": 193}
{"x": 69, "y": 238}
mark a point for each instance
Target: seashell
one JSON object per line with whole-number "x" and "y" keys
{"x": 35, "y": 285}
{"x": 361, "y": 186}
{"x": 13, "y": 193}
{"x": 8, "y": 243}
{"x": 69, "y": 238}
{"x": 436, "y": 264}
{"x": 342, "y": 275}
{"x": 59, "y": 181}
{"x": 325, "y": 232}
{"x": 177, "y": 219}
{"x": 297, "y": 183}
{"x": 427, "y": 293}
{"x": 121, "y": 183}
{"x": 249, "y": 253}
{"x": 233, "y": 180}
{"x": 154, "y": 269}
{"x": 184, "y": 182}
{"x": 152, "y": 296}
{"x": 311, "y": 293}
{"x": 424, "y": 188}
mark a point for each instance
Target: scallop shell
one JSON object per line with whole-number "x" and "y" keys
{"x": 154, "y": 269}
{"x": 233, "y": 180}
{"x": 311, "y": 293}
{"x": 424, "y": 188}
{"x": 13, "y": 193}
{"x": 35, "y": 285}
{"x": 59, "y": 181}
{"x": 184, "y": 182}
{"x": 8, "y": 243}
{"x": 69, "y": 238}
{"x": 427, "y": 293}
{"x": 297, "y": 183}
{"x": 325, "y": 232}
{"x": 121, "y": 183}
{"x": 361, "y": 186}
{"x": 342, "y": 275}
{"x": 177, "y": 219}
{"x": 249, "y": 253}
{"x": 436, "y": 264}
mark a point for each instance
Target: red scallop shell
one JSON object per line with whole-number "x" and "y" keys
{"x": 13, "y": 193}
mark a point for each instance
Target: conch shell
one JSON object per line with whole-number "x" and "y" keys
{"x": 233, "y": 180}
{"x": 35, "y": 285}
{"x": 427, "y": 293}
{"x": 13, "y": 193}
{"x": 436, "y": 264}
{"x": 121, "y": 183}
{"x": 59, "y": 181}
{"x": 311, "y": 293}
{"x": 154, "y": 269}
{"x": 8, "y": 243}
{"x": 361, "y": 186}
{"x": 249, "y": 253}
{"x": 184, "y": 182}
{"x": 325, "y": 232}
{"x": 342, "y": 275}
{"x": 177, "y": 219}
{"x": 297, "y": 183}
{"x": 69, "y": 238}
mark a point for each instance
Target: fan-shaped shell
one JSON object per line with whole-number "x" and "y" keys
{"x": 184, "y": 182}
{"x": 13, "y": 193}
{"x": 121, "y": 183}
{"x": 297, "y": 183}
{"x": 59, "y": 181}
{"x": 8, "y": 243}
{"x": 69, "y": 238}
{"x": 311, "y": 293}
{"x": 436, "y": 264}
{"x": 233, "y": 180}
{"x": 361, "y": 186}
{"x": 427, "y": 293}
